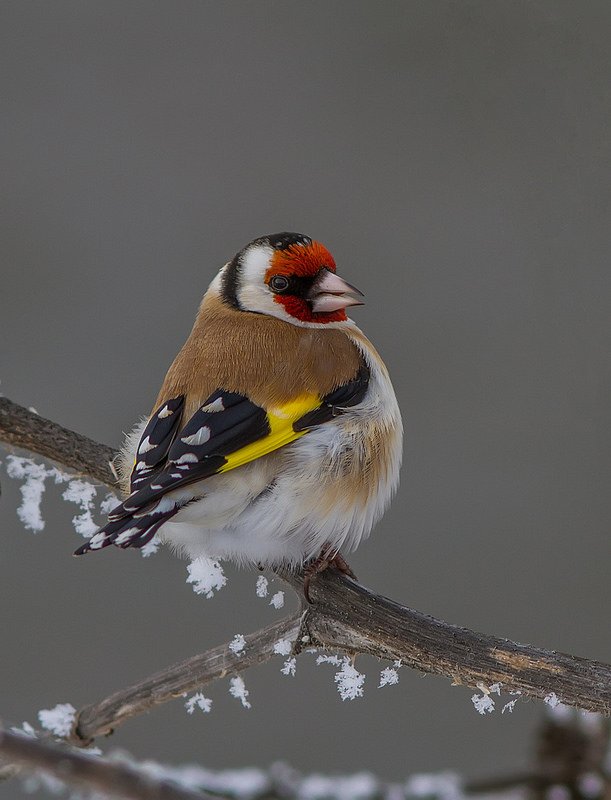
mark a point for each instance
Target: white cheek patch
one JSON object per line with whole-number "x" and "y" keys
{"x": 255, "y": 263}
{"x": 255, "y": 295}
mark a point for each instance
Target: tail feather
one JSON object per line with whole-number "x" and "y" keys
{"x": 129, "y": 531}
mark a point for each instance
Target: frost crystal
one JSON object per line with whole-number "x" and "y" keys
{"x": 290, "y": 666}
{"x": 552, "y": 700}
{"x": 150, "y": 548}
{"x": 283, "y": 647}
{"x": 83, "y": 494}
{"x": 509, "y": 706}
{"x": 557, "y": 709}
{"x": 349, "y": 681}
{"x": 443, "y": 786}
{"x": 108, "y": 503}
{"x": 388, "y": 677}
{"x": 198, "y": 701}
{"x": 335, "y": 660}
{"x": 483, "y": 703}
{"x": 25, "y": 730}
{"x": 238, "y": 689}
{"x": 206, "y": 576}
{"x": 277, "y": 600}
{"x": 31, "y": 491}
{"x": 237, "y": 644}
{"x": 58, "y": 720}
{"x": 361, "y": 786}
{"x": 261, "y": 587}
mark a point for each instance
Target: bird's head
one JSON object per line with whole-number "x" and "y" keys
{"x": 289, "y": 276}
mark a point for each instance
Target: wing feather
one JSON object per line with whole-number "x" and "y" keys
{"x": 226, "y": 432}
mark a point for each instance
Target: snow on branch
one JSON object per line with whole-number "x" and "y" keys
{"x": 343, "y": 617}
{"x": 570, "y": 762}
{"x": 89, "y": 771}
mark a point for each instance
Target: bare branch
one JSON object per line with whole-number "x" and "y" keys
{"x": 195, "y": 672}
{"x": 347, "y": 616}
{"x": 26, "y": 430}
{"x": 344, "y": 616}
{"x": 94, "y": 773}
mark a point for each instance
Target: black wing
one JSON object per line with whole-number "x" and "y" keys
{"x": 168, "y": 458}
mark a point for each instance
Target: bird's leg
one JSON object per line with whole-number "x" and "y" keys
{"x": 341, "y": 565}
{"x": 326, "y": 559}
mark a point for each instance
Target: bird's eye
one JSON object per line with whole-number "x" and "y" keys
{"x": 279, "y": 283}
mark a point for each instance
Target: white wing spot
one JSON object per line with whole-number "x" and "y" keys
{"x": 145, "y": 445}
{"x": 97, "y": 541}
{"x": 214, "y": 407}
{"x": 126, "y": 535}
{"x": 199, "y": 437}
{"x": 165, "y": 412}
{"x": 186, "y": 458}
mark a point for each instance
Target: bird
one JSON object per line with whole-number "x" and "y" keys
{"x": 276, "y": 437}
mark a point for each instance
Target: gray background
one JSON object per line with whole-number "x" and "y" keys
{"x": 454, "y": 156}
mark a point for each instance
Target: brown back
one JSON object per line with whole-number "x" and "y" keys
{"x": 268, "y": 360}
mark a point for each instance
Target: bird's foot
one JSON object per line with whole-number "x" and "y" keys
{"x": 328, "y": 559}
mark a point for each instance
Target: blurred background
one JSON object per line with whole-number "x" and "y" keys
{"x": 455, "y": 158}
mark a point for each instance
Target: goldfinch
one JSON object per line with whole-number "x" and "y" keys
{"x": 276, "y": 436}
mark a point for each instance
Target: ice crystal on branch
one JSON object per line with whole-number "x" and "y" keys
{"x": 349, "y": 681}
{"x": 360, "y": 786}
{"x": 388, "y": 677}
{"x": 483, "y": 703}
{"x": 441, "y": 786}
{"x": 237, "y": 689}
{"x": 289, "y": 667}
{"x": 150, "y": 548}
{"x": 198, "y": 701}
{"x": 262, "y": 586}
{"x": 34, "y": 475}
{"x": 108, "y": 503}
{"x": 207, "y": 576}
{"x": 237, "y": 644}
{"x": 59, "y": 720}
{"x": 25, "y": 730}
{"x": 83, "y": 494}
{"x": 283, "y": 647}
{"x": 323, "y": 659}
{"x": 277, "y": 600}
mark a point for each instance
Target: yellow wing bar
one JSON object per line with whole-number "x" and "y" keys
{"x": 280, "y": 419}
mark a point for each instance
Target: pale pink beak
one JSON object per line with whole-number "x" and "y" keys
{"x": 332, "y": 293}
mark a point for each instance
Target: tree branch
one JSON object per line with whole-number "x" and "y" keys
{"x": 28, "y": 431}
{"x": 193, "y": 673}
{"x": 94, "y": 773}
{"x": 343, "y": 616}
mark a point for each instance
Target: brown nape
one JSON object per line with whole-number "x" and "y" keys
{"x": 268, "y": 360}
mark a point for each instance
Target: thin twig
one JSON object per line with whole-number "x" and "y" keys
{"x": 344, "y": 616}
{"x": 175, "y": 681}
